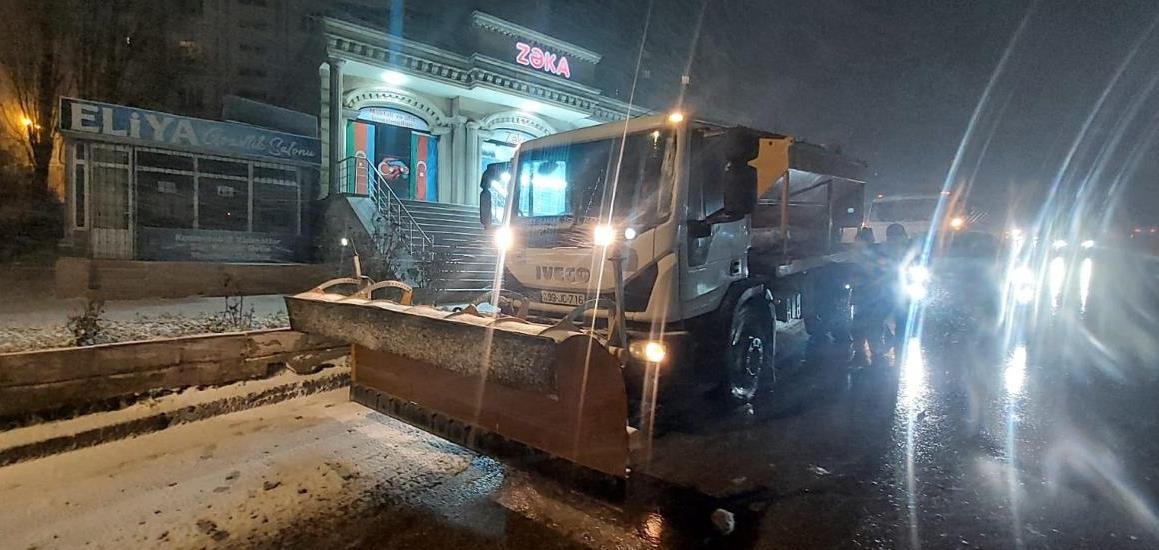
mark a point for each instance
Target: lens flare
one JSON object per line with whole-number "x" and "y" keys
{"x": 603, "y": 235}
{"x": 504, "y": 238}
{"x": 1015, "y": 374}
{"x": 1086, "y": 268}
{"x": 1022, "y": 285}
{"x": 1056, "y": 276}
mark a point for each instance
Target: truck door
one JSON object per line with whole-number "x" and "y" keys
{"x": 712, "y": 262}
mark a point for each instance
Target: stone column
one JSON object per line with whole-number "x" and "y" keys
{"x": 445, "y": 181}
{"x": 472, "y": 173}
{"x": 337, "y": 136}
{"x": 458, "y": 158}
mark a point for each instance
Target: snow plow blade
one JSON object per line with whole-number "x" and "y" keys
{"x": 469, "y": 377}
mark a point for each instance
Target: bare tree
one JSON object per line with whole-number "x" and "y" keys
{"x": 108, "y": 50}
{"x": 32, "y": 56}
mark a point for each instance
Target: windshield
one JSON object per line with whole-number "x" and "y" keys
{"x": 624, "y": 179}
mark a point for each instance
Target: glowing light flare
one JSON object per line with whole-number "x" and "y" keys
{"x": 915, "y": 280}
{"x": 1023, "y": 286}
{"x": 1014, "y": 377}
{"x": 504, "y": 238}
{"x": 652, "y": 351}
{"x": 344, "y": 241}
{"x": 393, "y": 77}
{"x": 1055, "y": 278}
{"x": 1016, "y": 235}
{"x": 1086, "y": 270}
{"x": 913, "y": 373}
{"x": 676, "y": 117}
{"x": 629, "y": 234}
{"x": 957, "y": 223}
{"x": 603, "y": 235}
{"x": 25, "y": 121}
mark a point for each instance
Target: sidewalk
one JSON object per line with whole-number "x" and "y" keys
{"x": 153, "y": 415}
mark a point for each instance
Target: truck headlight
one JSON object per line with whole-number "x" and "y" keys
{"x": 504, "y": 238}
{"x": 603, "y": 235}
{"x": 915, "y": 280}
{"x": 651, "y": 351}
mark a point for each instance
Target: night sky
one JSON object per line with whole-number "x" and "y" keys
{"x": 895, "y": 83}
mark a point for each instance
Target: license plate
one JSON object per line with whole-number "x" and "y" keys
{"x": 563, "y": 298}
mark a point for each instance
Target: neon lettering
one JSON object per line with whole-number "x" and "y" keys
{"x": 521, "y": 57}
{"x": 537, "y": 58}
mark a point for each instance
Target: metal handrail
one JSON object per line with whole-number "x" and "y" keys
{"x": 391, "y": 207}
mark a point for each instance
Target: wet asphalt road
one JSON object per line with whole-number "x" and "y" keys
{"x": 1035, "y": 432}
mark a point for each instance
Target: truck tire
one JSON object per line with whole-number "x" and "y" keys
{"x": 749, "y": 350}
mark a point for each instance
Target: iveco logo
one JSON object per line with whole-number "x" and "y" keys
{"x": 563, "y": 274}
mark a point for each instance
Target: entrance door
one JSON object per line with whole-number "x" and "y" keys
{"x": 112, "y": 213}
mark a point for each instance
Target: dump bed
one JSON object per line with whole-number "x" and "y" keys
{"x": 825, "y": 196}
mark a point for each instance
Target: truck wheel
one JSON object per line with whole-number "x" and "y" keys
{"x": 751, "y": 345}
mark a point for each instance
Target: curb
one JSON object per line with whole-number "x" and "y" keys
{"x": 165, "y": 419}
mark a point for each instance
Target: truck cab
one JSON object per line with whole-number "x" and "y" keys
{"x": 668, "y": 228}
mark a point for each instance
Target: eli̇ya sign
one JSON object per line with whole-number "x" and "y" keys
{"x": 144, "y": 127}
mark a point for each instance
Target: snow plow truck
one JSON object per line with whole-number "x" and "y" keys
{"x": 636, "y": 258}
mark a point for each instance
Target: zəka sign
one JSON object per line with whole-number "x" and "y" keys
{"x": 142, "y": 127}
{"x": 538, "y": 58}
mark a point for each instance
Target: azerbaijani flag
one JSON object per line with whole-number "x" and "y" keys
{"x": 360, "y": 143}
{"x": 424, "y": 167}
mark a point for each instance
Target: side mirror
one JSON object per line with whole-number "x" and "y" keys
{"x": 739, "y": 180}
{"x": 740, "y": 188}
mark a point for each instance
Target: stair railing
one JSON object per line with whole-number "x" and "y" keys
{"x": 388, "y": 204}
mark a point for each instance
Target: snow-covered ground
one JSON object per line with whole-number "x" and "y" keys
{"x": 318, "y": 471}
{"x": 27, "y": 324}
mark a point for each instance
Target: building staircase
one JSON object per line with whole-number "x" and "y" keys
{"x": 426, "y": 228}
{"x": 456, "y": 228}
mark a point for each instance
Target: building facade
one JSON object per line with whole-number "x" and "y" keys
{"x": 146, "y": 185}
{"x": 430, "y": 119}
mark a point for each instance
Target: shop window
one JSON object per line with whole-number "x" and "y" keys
{"x": 223, "y": 203}
{"x": 223, "y": 167}
{"x": 164, "y": 199}
{"x": 284, "y": 174}
{"x": 275, "y": 208}
{"x": 111, "y": 156}
{"x": 156, "y": 159}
